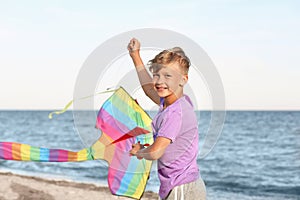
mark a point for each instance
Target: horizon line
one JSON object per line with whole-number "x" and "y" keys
{"x": 50, "y": 110}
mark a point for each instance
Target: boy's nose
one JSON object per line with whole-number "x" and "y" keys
{"x": 159, "y": 80}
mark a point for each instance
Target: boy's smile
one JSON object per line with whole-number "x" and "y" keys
{"x": 160, "y": 88}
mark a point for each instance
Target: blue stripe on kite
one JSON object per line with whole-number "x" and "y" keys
{"x": 120, "y": 116}
{"x": 130, "y": 172}
{"x": 44, "y": 154}
{"x": 126, "y": 104}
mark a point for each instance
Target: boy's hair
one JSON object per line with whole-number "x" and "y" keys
{"x": 168, "y": 56}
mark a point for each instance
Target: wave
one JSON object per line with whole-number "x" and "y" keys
{"x": 259, "y": 190}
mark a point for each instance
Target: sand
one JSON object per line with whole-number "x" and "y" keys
{"x": 20, "y": 187}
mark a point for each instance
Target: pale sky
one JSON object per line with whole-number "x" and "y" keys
{"x": 254, "y": 45}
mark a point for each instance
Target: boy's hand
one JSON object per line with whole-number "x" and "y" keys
{"x": 135, "y": 148}
{"x": 133, "y": 47}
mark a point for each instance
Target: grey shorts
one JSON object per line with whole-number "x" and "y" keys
{"x": 189, "y": 191}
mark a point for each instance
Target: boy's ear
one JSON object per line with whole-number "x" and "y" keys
{"x": 186, "y": 77}
{"x": 184, "y": 80}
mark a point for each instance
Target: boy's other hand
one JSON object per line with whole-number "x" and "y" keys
{"x": 133, "y": 46}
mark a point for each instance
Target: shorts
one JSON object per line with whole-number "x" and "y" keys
{"x": 190, "y": 191}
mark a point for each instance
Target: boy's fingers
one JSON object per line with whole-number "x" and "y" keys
{"x": 133, "y": 44}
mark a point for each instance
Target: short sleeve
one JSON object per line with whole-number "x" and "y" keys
{"x": 171, "y": 124}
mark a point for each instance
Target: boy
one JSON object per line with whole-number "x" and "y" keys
{"x": 175, "y": 127}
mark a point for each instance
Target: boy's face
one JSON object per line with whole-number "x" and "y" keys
{"x": 169, "y": 79}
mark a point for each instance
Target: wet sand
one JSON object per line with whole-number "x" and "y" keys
{"x": 20, "y": 187}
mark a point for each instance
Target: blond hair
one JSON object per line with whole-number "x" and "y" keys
{"x": 168, "y": 56}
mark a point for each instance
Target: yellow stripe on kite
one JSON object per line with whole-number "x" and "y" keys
{"x": 25, "y": 152}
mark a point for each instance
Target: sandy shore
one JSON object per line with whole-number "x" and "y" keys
{"x": 19, "y": 187}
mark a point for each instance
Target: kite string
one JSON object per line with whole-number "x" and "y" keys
{"x": 58, "y": 112}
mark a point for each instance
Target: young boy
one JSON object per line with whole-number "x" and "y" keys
{"x": 175, "y": 127}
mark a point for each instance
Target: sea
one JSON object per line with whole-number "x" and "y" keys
{"x": 256, "y": 157}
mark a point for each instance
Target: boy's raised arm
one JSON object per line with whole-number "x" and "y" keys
{"x": 144, "y": 77}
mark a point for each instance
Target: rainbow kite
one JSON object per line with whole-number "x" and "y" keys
{"x": 122, "y": 122}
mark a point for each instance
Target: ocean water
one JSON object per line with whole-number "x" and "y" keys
{"x": 257, "y": 156}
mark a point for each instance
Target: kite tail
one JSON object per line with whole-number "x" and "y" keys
{"x": 24, "y": 152}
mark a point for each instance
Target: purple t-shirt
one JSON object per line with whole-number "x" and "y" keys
{"x": 178, "y": 165}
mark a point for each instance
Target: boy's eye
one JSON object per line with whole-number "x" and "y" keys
{"x": 168, "y": 75}
{"x": 155, "y": 75}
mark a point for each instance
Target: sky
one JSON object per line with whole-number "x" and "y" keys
{"x": 254, "y": 45}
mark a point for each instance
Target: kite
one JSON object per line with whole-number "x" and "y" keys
{"x": 123, "y": 123}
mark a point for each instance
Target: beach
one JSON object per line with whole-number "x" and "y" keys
{"x": 20, "y": 187}
{"x": 256, "y": 158}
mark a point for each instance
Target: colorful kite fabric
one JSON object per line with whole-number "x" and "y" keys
{"x": 123, "y": 123}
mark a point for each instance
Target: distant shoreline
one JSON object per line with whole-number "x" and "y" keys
{"x": 205, "y": 110}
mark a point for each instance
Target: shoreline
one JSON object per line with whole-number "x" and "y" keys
{"x": 17, "y": 187}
